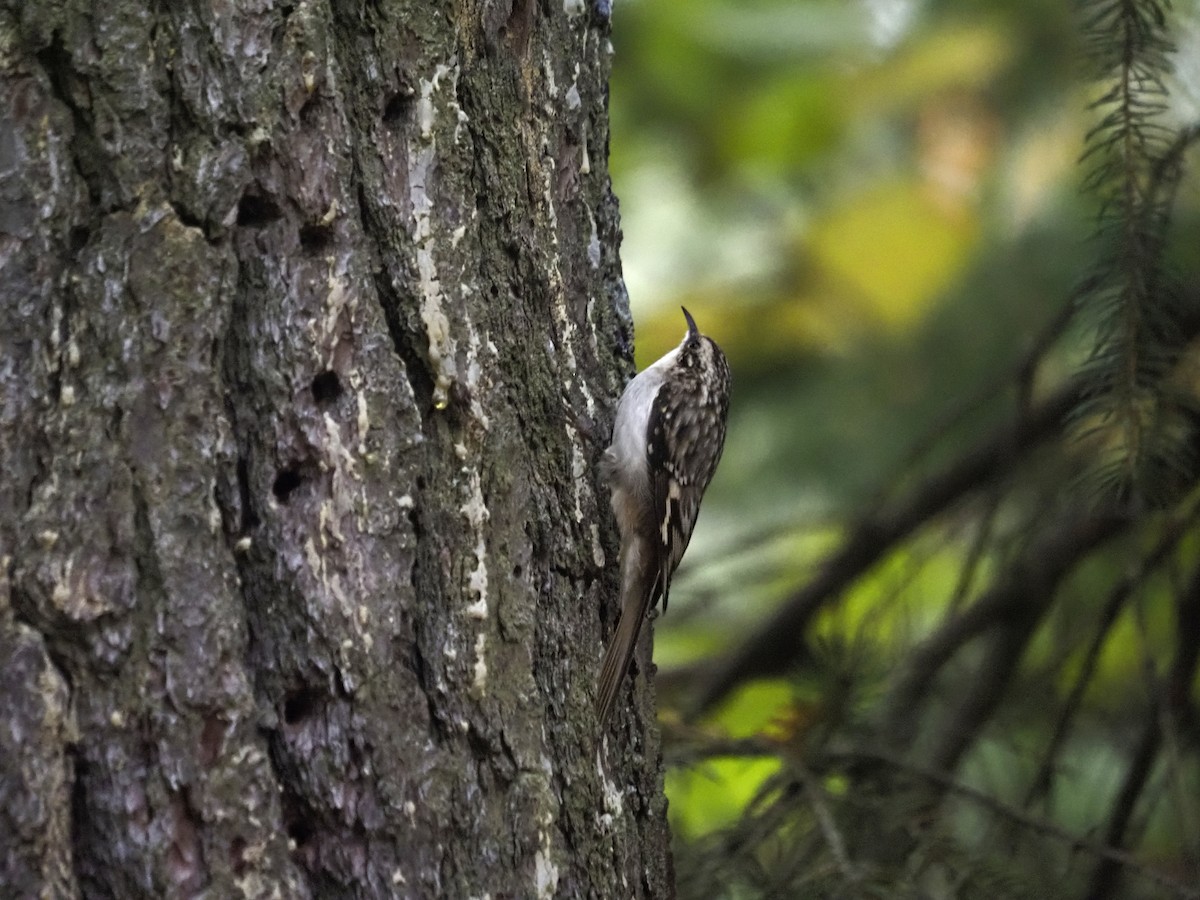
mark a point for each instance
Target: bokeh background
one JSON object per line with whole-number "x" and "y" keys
{"x": 879, "y": 209}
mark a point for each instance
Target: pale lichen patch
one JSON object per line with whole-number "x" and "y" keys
{"x": 545, "y": 871}
{"x": 593, "y": 249}
{"x": 341, "y": 302}
{"x": 437, "y": 95}
{"x": 330, "y": 214}
{"x": 330, "y": 582}
{"x": 73, "y": 592}
{"x": 425, "y": 105}
{"x": 441, "y": 344}
{"x": 362, "y": 420}
{"x": 479, "y": 609}
{"x": 614, "y": 804}
{"x": 578, "y": 471}
{"x": 474, "y": 375}
{"x": 597, "y": 547}
{"x": 585, "y": 158}
{"x": 342, "y": 459}
{"x": 476, "y": 513}
{"x": 479, "y": 684}
{"x": 548, "y": 74}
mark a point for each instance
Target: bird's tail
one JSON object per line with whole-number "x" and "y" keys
{"x": 637, "y": 593}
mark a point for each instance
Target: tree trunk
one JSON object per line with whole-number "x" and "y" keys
{"x": 305, "y": 570}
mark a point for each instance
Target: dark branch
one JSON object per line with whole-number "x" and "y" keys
{"x": 860, "y": 762}
{"x": 1116, "y": 601}
{"x": 1173, "y": 704}
{"x": 780, "y": 641}
{"x": 1013, "y": 607}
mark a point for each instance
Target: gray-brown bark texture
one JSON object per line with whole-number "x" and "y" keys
{"x": 304, "y": 582}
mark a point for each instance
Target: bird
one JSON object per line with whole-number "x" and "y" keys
{"x": 668, "y": 436}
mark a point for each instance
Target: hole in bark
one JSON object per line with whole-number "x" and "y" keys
{"x": 326, "y": 388}
{"x": 57, "y": 62}
{"x": 300, "y": 704}
{"x": 301, "y": 826}
{"x": 255, "y": 211}
{"x": 364, "y": 216}
{"x": 310, "y": 109}
{"x": 183, "y": 853}
{"x": 286, "y": 483}
{"x": 518, "y": 571}
{"x": 237, "y": 856}
{"x": 79, "y": 238}
{"x": 80, "y": 816}
{"x": 212, "y": 739}
{"x": 300, "y": 831}
{"x": 186, "y": 216}
{"x": 418, "y": 530}
{"x": 397, "y": 107}
{"x": 315, "y": 238}
{"x": 250, "y": 519}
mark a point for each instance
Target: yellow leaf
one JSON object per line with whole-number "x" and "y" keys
{"x": 893, "y": 251}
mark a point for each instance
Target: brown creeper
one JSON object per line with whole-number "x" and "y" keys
{"x": 666, "y": 442}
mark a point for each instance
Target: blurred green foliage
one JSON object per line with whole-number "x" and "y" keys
{"x": 864, "y": 214}
{"x": 876, "y": 207}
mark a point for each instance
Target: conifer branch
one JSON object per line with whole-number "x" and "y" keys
{"x": 1130, "y": 152}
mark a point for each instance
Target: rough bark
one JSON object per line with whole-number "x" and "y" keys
{"x": 304, "y": 581}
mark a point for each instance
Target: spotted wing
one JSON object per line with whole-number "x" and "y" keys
{"x": 684, "y": 448}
